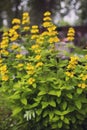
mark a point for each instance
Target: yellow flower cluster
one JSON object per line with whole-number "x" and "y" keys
{"x": 4, "y": 44}
{"x": 34, "y": 31}
{"x": 51, "y": 28}
{"x": 13, "y": 34}
{"x": 16, "y": 23}
{"x": 14, "y": 46}
{"x": 4, "y": 72}
{"x": 38, "y": 57}
{"x": 20, "y": 65}
{"x": 19, "y": 56}
{"x": 30, "y": 69}
{"x": 26, "y": 21}
{"x": 73, "y": 62}
{"x": 31, "y": 81}
{"x": 39, "y": 64}
{"x": 71, "y": 66}
{"x": 25, "y": 18}
{"x": 71, "y": 34}
{"x": 53, "y": 39}
{"x": 36, "y": 48}
{"x": 5, "y": 41}
{"x": 47, "y": 19}
{"x": 82, "y": 85}
{"x": 69, "y": 74}
{"x": 4, "y": 52}
{"x": 83, "y": 77}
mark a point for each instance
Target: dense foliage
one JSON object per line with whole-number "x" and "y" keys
{"x": 44, "y": 90}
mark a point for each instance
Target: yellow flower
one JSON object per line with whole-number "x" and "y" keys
{"x": 31, "y": 72}
{"x": 3, "y": 70}
{"x": 53, "y": 33}
{"x": 4, "y": 44}
{"x": 38, "y": 57}
{"x": 30, "y": 67}
{"x": 14, "y": 46}
{"x": 52, "y": 28}
{"x": 33, "y": 47}
{"x": 71, "y": 30}
{"x": 26, "y": 28}
{"x": 47, "y": 13}
{"x": 71, "y": 34}
{"x": 35, "y": 36}
{"x": 4, "y": 52}
{"x": 5, "y": 77}
{"x": 69, "y": 74}
{"x": 20, "y": 65}
{"x": 53, "y": 39}
{"x": 70, "y": 38}
{"x": 15, "y": 27}
{"x": 34, "y": 30}
{"x": 47, "y": 19}
{"x": 16, "y": 21}
{"x": 5, "y": 34}
{"x": 26, "y": 21}
{"x": 47, "y": 24}
{"x": 39, "y": 64}
{"x": 46, "y": 33}
{"x": 34, "y": 27}
{"x": 25, "y": 14}
{"x": 82, "y": 85}
{"x": 25, "y": 18}
{"x": 84, "y": 77}
{"x": 13, "y": 34}
{"x": 19, "y": 56}
{"x": 37, "y": 51}
{"x": 31, "y": 81}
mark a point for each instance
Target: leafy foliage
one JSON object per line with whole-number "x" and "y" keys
{"x": 45, "y": 91}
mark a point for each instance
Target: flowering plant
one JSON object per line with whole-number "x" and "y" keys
{"x": 45, "y": 90}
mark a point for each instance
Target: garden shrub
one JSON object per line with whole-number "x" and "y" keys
{"x": 45, "y": 91}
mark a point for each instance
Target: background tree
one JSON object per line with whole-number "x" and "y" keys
{"x": 14, "y": 8}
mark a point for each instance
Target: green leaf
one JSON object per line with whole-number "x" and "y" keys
{"x": 38, "y": 111}
{"x": 52, "y": 103}
{"x": 60, "y": 124}
{"x": 58, "y": 93}
{"x": 54, "y": 126}
{"x": 64, "y": 105}
{"x": 56, "y": 118}
{"x": 33, "y": 105}
{"x": 44, "y": 104}
{"x": 34, "y": 85}
{"x": 66, "y": 120}
{"x": 42, "y": 93}
{"x": 51, "y": 114}
{"x": 55, "y": 93}
{"x": 45, "y": 113}
{"x": 15, "y": 96}
{"x": 69, "y": 95}
{"x": 79, "y": 90}
{"x": 57, "y": 112}
{"x": 16, "y": 111}
{"x": 24, "y": 101}
{"x": 78, "y": 104}
{"x": 62, "y": 117}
